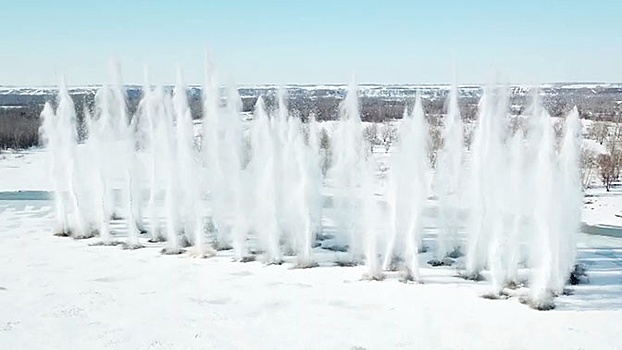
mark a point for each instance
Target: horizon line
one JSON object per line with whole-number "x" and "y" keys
{"x": 275, "y": 85}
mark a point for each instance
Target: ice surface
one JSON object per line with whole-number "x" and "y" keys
{"x": 57, "y": 293}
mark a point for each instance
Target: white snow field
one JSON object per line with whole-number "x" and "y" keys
{"x": 60, "y": 293}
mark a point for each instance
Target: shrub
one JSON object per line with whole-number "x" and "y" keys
{"x": 18, "y": 131}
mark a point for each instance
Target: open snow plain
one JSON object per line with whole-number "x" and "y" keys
{"x": 59, "y": 293}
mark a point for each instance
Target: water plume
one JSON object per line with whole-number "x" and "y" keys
{"x": 407, "y": 192}
{"x": 450, "y": 178}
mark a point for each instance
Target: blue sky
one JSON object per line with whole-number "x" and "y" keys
{"x": 319, "y": 41}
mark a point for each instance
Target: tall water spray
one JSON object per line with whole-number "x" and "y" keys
{"x": 314, "y": 163}
{"x": 283, "y": 132}
{"x": 295, "y": 172}
{"x": 50, "y": 140}
{"x": 103, "y": 138}
{"x": 212, "y": 150}
{"x": 307, "y": 191}
{"x": 187, "y": 166}
{"x": 59, "y": 133}
{"x": 232, "y": 163}
{"x": 352, "y": 179}
{"x": 300, "y": 197}
{"x": 128, "y": 163}
{"x": 557, "y": 223}
{"x": 151, "y": 110}
{"x": 544, "y": 235}
{"x": 519, "y": 203}
{"x": 569, "y": 223}
{"x": 487, "y": 234}
{"x": 67, "y": 127}
{"x": 347, "y": 143}
{"x": 407, "y": 192}
{"x": 263, "y": 190}
{"x": 172, "y": 188}
{"x": 265, "y": 222}
{"x": 450, "y": 178}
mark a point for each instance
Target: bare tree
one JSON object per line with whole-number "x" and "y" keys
{"x": 325, "y": 151}
{"x": 370, "y": 133}
{"x": 588, "y": 165}
{"x": 614, "y": 148}
{"x": 17, "y": 131}
{"x": 388, "y": 135}
{"x": 599, "y": 131}
{"x": 436, "y": 138}
{"x": 518, "y": 123}
{"x": 607, "y": 170}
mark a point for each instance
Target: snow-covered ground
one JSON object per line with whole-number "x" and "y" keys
{"x": 602, "y": 207}
{"x": 58, "y": 293}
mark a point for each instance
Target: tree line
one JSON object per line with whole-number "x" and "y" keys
{"x": 19, "y": 120}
